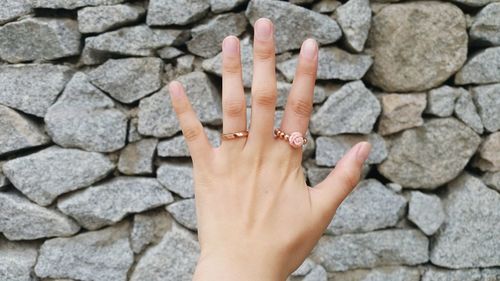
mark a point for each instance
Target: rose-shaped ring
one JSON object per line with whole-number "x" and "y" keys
{"x": 295, "y": 139}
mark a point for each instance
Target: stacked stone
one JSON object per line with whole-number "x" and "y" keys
{"x": 95, "y": 177}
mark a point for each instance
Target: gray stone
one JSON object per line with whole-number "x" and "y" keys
{"x": 174, "y": 258}
{"x": 293, "y": 24}
{"x": 185, "y": 64}
{"x": 333, "y": 63}
{"x": 3, "y": 179}
{"x": 214, "y": 65}
{"x": 395, "y": 187}
{"x": 436, "y": 274}
{"x": 149, "y": 228}
{"x": 283, "y": 89}
{"x": 135, "y": 41}
{"x": 177, "y": 178}
{"x": 490, "y": 274}
{"x": 326, "y": 6}
{"x": 177, "y": 147}
{"x": 17, "y": 260}
{"x": 475, "y": 3}
{"x": 486, "y": 25}
{"x": 488, "y": 154}
{"x": 400, "y": 112}
{"x": 169, "y": 52}
{"x": 380, "y": 248}
{"x": 318, "y": 273}
{"x": 331, "y": 149}
{"x": 431, "y": 155}
{"x": 39, "y": 39}
{"x": 426, "y": 211}
{"x": 465, "y": 110}
{"x": 304, "y": 268}
{"x": 20, "y": 219}
{"x": 481, "y": 68}
{"x": 220, "y": 6}
{"x": 184, "y": 212}
{"x": 13, "y": 9}
{"x": 111, "y": 201}
{"x": 390, "y": 273}
{"x": 487, "y": 101}
{"x": 354, "y": 17}
{"x": 45, "y": 175}
{"x": 133, "y": 130}
{"x": 103, "y": 255}
{"x": 71, "y": 4}
{"x": 128, "y": 80}
{"x": 207, "y": 38}
{"x": 492, "y": 180}
{"x": 18, "y": 131}
{"x": 369, "y": 207}
{"x": 84, "y": 117}
{"x": 403, "y": 41}
{"x": 351, "y": 109}
{"x": 157, "y": 117}
{"x": 178, "y": 12}
{"x": 137, "y": 157}
{"x": 103, "y": 18}
{"x": 32, "y": 88}
{"x": 467, "y": 238}
{"x": 441, "y": 101}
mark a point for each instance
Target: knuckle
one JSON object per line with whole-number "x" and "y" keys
{"x": 232, "y": 66}
{"x": 264, "y": 99}
{"x": 307, "y": 71}
{"x": 264, "y": 52}
{"x": 191, "y": 133}
{"x": 234, "y": 108}
{"x": 301, "y": 107}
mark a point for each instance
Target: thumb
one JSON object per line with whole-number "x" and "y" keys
{"x": 330, "y": 193}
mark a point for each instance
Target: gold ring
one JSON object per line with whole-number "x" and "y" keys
{"x": 232, "y": 136}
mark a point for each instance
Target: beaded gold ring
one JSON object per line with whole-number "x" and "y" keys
{"x": 295, "y": 139}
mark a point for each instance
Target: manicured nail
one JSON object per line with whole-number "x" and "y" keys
{"x": 230, "y": 46}
{"x": 363, "y": 151}
{"x": 175, "y": 89}
{"x": 263, "y": 29}
{"x": 309, "y": 49}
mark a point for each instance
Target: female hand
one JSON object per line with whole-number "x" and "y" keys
{"x": 257, "y": 218}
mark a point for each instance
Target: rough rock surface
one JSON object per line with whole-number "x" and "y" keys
{"x": 174, "y": 258}
{"x": 18, "y": 131}
{"x": 431, "y": 155}
{"x": 487, "y": 101}
{"x": 111, "y": 201}
{"x": 351, "y": 109}
{"x": 354, "y": 17}
{"x": 488, "y": 156}
{"x": 284, "y": 15}
{"x": 219, "y": 6}
{"x": 426, "y": 211}
{"x": 331, "y": 149}
{"x": 39, "y": 39}
{"x": 157, "y": 117}
{"x": 32, "y": 88}
{"x": 137, "y": 157}
{"x": 128, "y": 80}
{"x": 436, "y": 274}
{"x": 103, "y": 18}
{"x": 402, "y": 39}
{"x": 178, "y": 12}
{"x": 177, "y": 178}
{"x": 103, "y": 255}
{"x": 333, "y": 63}
{"x": 177, "y": 147}
{"x": 441, "y": 101}
{"x": 400, "y": 112}
{"x": 17, "y": 260}
{"x": 467, "y": 236}
{"x": 482, "y": 68}
{"x": 318, "y": 273}
{"x": 149, "y": 228}
{"x": 466, "y": 110}
{"x": 369, "y": 207}
{"x": 389, "y": 273}
{"x": 475, "y": 3}
{"x": 71, "y": 4}
{"x": 3, "y": 179}
{"x": 207, "y": 38}
{"x": 86, "y": 118}
{"x": 44, "y": 175}
{"x": 486, "y": 25}
{"x": 184, "y": 212}
{"x": 20, "y": 219}
{"x": 492, "y": 180}
{"x": 380, "y": 248}
{"x": 13, "y": 9}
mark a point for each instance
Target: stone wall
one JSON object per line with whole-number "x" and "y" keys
{"x": 95, "y": 176}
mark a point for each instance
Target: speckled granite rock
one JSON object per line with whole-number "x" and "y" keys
{"x": 466, "y": 110}
{"x": 354, "y": 17}
{"x": 436, "y": 274}
{"x": 487, "y": 101}
{"x": 492, "y": 180}
{"x": 219, "y": 6}
{"x": 389, "y": 273}
{"x": 184, "y": 212}
{"x": 102, "y": 18}
{"x": 137, "y": 157}
{"x": 149, "y": 227}
{"x": 17, "y": 260}
{"x": 177, "y": 147}
{"x": 71, "y": 4}
{"x": 426, "y": 211}
{"x": 486, "y": 25}
{"x": 488, "y": 155}
{"x": 441, "y": 100}
{"x": 13, "y": 9}
{"x": 400, "y": 112}
{"x": 178, "y": 12}
{"x": 177, "y": 178}
{"x": 482, "y": 68}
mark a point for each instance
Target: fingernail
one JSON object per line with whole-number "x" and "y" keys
{"x": 174, "y": 88}
{"x": 309, "y": 49}
{"x": 263, "y": 29}
{"x": 230, "y": 46}
{"x": 363, "y": 151}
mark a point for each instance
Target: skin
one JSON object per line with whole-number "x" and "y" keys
{"x": 257, "y": 218}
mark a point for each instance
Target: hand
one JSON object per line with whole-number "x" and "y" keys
{"x": 257, "y": 218}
